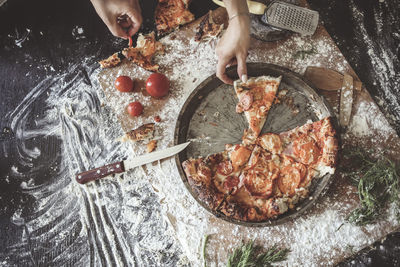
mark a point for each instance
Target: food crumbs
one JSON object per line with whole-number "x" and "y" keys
{"x": 151, "y": 146}
{"x": 157, "y": 119}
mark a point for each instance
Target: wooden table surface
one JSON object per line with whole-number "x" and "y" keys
{"x": 53, "y": 42}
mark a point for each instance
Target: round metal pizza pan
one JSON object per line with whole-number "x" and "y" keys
{"x": 208, "y": 119}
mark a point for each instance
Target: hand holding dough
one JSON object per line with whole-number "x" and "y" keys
{"x": 122, "y": 17}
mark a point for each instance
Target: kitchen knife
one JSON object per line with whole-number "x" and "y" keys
{"x": 122, "y": 166}
{"x": 327, "y": 79}
{"x": 346, "y": 100}
{"x": 284, "y": 16}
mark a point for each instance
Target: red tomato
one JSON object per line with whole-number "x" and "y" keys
{"x": 135, "y": 109}
{"x": 157, "y": 85}
{"x": 124, "y": 84}
{"x": 225, "y": 167}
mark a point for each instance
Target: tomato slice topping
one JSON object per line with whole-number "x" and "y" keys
{"x": 271, "y": 142}
{"x": 231, "y": 184}
{"x": 306, "y": 150}
{"x": 290, "y": 178}
{"x": 258, "y": 184}
{"x": 225, "y": 168}
{"x": 240, "y": 156}
{"x": 260, "y": 181}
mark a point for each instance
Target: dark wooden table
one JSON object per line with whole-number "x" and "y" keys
{"x": 42, "y": 39}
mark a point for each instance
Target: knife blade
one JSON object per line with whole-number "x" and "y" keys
{"x": 346, "y": 100}
{"x": 122, "y": 166}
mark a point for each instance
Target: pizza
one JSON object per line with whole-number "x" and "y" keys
{"x": 267, "y": 175}
{"x": 256, "y": 97}
{"x": 144, "y": 132}
{"x": 170, "y": 14}
{"x": 208, "y": 28}
{"x": 218, "y": 174}
{"x": 111, "y": 61}
{"x": 142, "y": 54}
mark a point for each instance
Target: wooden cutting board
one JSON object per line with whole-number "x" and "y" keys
{"x": 187, "y": 64}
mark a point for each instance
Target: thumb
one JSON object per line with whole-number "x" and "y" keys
{"x": 242, "y": 68}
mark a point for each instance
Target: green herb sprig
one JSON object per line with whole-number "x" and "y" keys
{"x": 302, "y": 54}
{"x": 249, "y": 255}
{"x": 204, "y": 250}
{"x": 377, "y": 182}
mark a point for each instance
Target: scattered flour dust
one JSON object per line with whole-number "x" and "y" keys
{"x": 313, "y": 239}
{"x": 368, "y": 120}
{"x": 120, "y": 220}
{"x": 113, "y": 222}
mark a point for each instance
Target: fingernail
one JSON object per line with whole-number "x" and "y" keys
{"x": 244, "y": 78}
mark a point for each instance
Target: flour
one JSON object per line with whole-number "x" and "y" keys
{"x": 384, "y": 61}
{"x": 112, "y": 222}
{"x": 369, "y": 121}
{"x": 135, "y": 218}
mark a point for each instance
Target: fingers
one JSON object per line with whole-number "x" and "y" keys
{"x": 116, "y": 29}
{"x": 136, "y": 18}
{"x": 242, "y": 68}
{"x": 222, "y": 63}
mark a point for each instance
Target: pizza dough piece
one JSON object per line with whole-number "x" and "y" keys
{"x": 314, "y": 144}
{"x": 208, "y": 28}
{"x": 170, "y": 14}
{"x": 144, "y": 132}
{"x": 111, "y": 61}
{"x": 142, "y": 54}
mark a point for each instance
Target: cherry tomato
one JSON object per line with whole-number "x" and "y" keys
{"x": 124, "y": 84}
{"x": 135, "y": 109}
{"x": 157, "y": 85}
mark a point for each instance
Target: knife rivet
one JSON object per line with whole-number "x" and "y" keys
{"x": 117, "y": 166}
{"x": 98, "y": 171}
{"x": 79, "y": 176}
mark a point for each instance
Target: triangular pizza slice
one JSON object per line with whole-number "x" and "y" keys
{"x": 216, "y": 176}
{"x": 256, "y": 97}
{"x": 313, "y": 144}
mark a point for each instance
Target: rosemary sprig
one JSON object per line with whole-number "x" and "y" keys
{"x": 377, "y": 182}
{"x": 302, "y": 54}
{"x": 204, "y": 250}
{"x": 248, "y": 255}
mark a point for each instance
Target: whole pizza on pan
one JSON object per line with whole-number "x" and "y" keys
{"x": 266, "y": 175}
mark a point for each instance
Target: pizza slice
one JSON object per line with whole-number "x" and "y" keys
{"x": 170, "y": 14}
{"x": 208, "y": 28}
{"x": 314, "y": 145}
{"x": 256, "y": 97}
{"x": 142, "y": 54}
{"x": 111, "y": 61}
{"x": 216, "y": 177}
{"x": 258, "y": 197}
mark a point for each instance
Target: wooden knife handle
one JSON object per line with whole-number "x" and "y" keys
{"x": 91, "y": 175}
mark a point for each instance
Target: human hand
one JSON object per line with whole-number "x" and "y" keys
{"x": 122, "y": 17}
{"x": 233, "y": 48}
